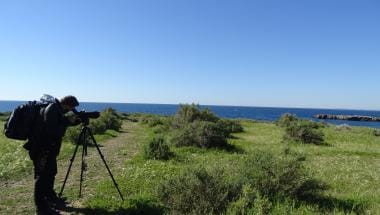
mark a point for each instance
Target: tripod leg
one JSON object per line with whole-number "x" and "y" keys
{"x": 83, "y": 166}
{"x": 70, "y": 165}
{"x": 105, "y": 163}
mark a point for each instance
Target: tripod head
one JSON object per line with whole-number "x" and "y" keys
{"x": 85, "y": 116}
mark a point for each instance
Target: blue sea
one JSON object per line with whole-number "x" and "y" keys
{"x": 256, "y": 113}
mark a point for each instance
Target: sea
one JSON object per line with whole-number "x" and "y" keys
{"x": 255, "y": 113}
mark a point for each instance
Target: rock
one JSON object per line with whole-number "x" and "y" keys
{"x": 348, "y": 117}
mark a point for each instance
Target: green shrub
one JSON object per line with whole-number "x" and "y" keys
{"x": 111, "y": 119}
{"x": 160, "y": 124}
{"x": 189, "y": 113}
{"x": 229, "y": 126}
{"x": 278, "y": 176}
{"x": 201, "y": 134}
{"x": 4, "y": 116}
{"x": 376, "y": 132}
{"x": 160, "y": 129}
{"x": 133, "y": 117}
{"x": 305, "y": 132}
{"x": 157, "y": 149}
{"x": 207, "y": 115}
{"x": 184, "y": 137}
{"x": 286, "y": 119}
{"x": 108, "y": 119}
{"x": 250, "y": 201}
{"x": 72, "y": 134}
{"x": 197, "y": 191}
{"x": 98, "y": 126}
{"x": 151, "y": 120}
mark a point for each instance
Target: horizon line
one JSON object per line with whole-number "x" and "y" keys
{"x": 227, "y": 105}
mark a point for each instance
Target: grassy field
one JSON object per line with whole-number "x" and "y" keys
{"x": 348, "y": 164}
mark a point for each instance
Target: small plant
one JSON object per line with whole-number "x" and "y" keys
{"x": 376, "y": 132}
{"x": 157, "y": 149}
{"x": 72, "y": 134}
{"x": 151, "y": 120}
{"x": 4, "y": 116}
{"x": 201, "y": 134}
{"x": 184, "y": 137}
{"x": 197, "y": 191}
{"x": 278, "y": 177}
{"x": 111, "y": 119}
{"x": 189, "y": 113}
{"x": 207, "y": 115}
{"x": 98, "y": 126}
{"x": 286, "y": 119}
{"x": 304, "y": 131}
{"x": 250, "y": 201}
{"x": 230, "y": 126}
{"x": 108, "y": 119}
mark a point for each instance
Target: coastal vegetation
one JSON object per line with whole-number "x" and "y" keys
{"x": 300, "y": 130}
{"x": 109, "y": 120}
{"x": 197, "y": 163}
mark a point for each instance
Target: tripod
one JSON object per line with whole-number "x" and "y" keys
{"x": 82, "y": 140}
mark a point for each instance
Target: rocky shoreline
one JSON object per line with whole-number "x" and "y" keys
{"x": 348, "y": 117}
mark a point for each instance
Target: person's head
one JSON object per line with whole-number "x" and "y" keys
{"x": 68, "y": 103}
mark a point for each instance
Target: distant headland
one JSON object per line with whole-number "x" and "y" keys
{"x": 348, "y": 117}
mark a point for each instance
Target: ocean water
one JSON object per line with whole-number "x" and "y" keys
{"x": 256, "y": 113}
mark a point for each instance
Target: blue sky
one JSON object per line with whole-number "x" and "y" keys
{"x": 293, "y": 53}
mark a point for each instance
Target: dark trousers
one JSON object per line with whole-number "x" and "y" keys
{"x": 45, "y": 169}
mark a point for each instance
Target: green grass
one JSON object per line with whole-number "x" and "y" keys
{"x": 14, "y": 160}
{"x": 349, "y": 164}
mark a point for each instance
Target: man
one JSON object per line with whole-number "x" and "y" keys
{"x": 44, "y": 146}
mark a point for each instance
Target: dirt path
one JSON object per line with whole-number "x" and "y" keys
{"x": 17, "y": 196}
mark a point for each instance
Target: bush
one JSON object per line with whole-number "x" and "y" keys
{"x": 108, "y": 119}
{"x": 286, "y": 119}
{"x": 151, "y": 120}
{"x": 250, "y": 201}
{"x": 184, "y": 137}
{"x": 278, "y": 177}
{"x": 207, "y": 115}
{"x": 197, "y": 191}
{"x": 189, "y": 113}
{"x": 201, "y": 134}
{"x": 111, "y": 119}
{"x": 157, "y": 149}
{"x": 72, "y": 134}
{"x": 376, "y": 132}
{"x": 160, "y": 124}
{"x": 305, "y": 132}
{"x": 230, "y": 126}
{"x": 260, "y": 180}
{"x": 98, "y": 126}
{"x": 4, "y": 116}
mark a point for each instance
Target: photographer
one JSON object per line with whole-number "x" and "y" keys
{"x": 44, "y": 146}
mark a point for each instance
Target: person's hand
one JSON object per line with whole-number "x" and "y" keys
{"x": 77, "y": 121}
{"x": 73, "y": 119}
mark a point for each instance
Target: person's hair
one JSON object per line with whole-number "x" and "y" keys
{"x": 69, "y": 100}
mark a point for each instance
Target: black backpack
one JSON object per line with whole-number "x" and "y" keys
{"x": 20, "y": 123}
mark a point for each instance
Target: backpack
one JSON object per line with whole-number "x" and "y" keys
{"x": 20, "y": 123}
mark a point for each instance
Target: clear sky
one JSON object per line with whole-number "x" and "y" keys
{"x": 286, "y": 53}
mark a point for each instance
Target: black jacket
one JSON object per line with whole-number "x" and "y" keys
{"x": 49, "y": 130}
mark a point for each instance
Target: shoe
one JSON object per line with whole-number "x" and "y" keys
{"x": 56, "y": 202}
